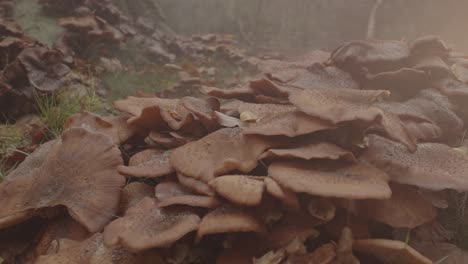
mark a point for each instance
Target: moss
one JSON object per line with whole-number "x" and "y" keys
{"x": 30, "y": 16}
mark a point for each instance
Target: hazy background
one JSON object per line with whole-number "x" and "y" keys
{"x": 304, "y": 24}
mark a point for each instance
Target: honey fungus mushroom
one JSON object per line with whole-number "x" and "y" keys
{"x": 84, "y": 180}
{"x": 146, "y": 226}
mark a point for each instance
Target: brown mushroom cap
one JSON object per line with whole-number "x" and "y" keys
{"x": 405, "y": 209}
{"x": 227, "y": 219}
{"x": 165, "y": 140}
{"x": 33, "y": 161}
{"x": 355, "y": 181}
{"x": 433, "y": 166}
{"x": 195, "y": 185}
{"x": 339, "y": 105}
{"x": 460, "y": 70}
{"x": 390, "y": 251}
{"x": 217, "y": 153}
{"x": 372, "y": 54}
{"x": 244, "y": 93}
{"x": 82, "y": 179}
{"x": 288, "y": 197}
{"x": 172, "y": 193}
{"x": 303, "y": 62}
{"x": 44, "y": 68}
{"x": 146, "y": 112}
{"x": 276, "y": 119}
{"x": 92, "y": 251}
{"x": 403, "y": 82}
{"x": 239, "y": 189}
{"x": 428, "y": 106}
{"x": 317, "y": 75}
{"x": 64, "y": 228}
{"x": 308, "y": 151}
{"x": 147, "y": 226}
{"x": 432, "y": 65}
{"x": 203, "y": 110}
{"x": 149, "y": 163}
{"x": 115, "y": 127}
{"x": 428, "y": 45}
{"x": 133, "y": 193}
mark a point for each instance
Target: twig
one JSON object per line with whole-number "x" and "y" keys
{"x": 372, "y": 16}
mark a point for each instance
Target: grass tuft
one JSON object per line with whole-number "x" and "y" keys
{"x": 55, "y": 108}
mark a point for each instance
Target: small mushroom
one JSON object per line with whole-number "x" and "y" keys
{"x": 173, "y": 193}
{"x": 166, "y": 140}
{"x": 133, "y": 193}
{"x": 203, "y": 110}
{"x": 227, "y": 219}
{"x": 288, "y": 197}
{"x": 390, "y": 251}
{"x": 146, "y": 112}
{"x": 195, "y": 185}
{"x": 239, "y": 189}
{"x": 275, "y": 119}
{"x": 146, "y": 226}
{"x": 149, "y": 163}
{"x": 354, "y": 181}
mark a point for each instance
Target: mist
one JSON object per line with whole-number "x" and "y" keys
{"x": 303, "y": 25}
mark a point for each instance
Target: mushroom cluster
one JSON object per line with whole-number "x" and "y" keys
{"x": 28, "y": 67}
{"x": 331, "y": 158}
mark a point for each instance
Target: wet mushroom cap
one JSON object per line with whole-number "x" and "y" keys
{"x": 239, "y": 189}
{"x": 82, "y": 179}
{"x": 405, "y": 209}
{"x": 354, "y": 181}
{"x": 173, "y": 193}
{"x": 219, "y": 152}
{"x": 195, "y": 185}
{"x": 228, "y": 219}
{"x": 433, "y": 166}
{"x": 133, "y": 193}
{"x": 146, "y": 226}
{"x": 148, "y": 163}
{"x": 288, "y": 197}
